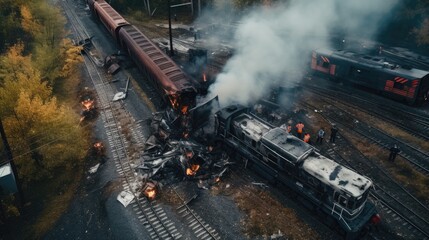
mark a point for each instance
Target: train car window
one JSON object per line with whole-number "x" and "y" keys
{"x": 271, "y": 157}
{"x": 312, "y": 181}
{"x": 398, "y": 85}
{"x": 281, "y": 163}
{"x": 342, "y": 201}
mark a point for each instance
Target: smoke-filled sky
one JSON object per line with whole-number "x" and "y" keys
{"x": 272, "y": 44}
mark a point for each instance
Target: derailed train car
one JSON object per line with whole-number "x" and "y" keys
{"x": 402, "y": 83}
{"x": 176, "y": 88}
{"x": 334, "y": 190}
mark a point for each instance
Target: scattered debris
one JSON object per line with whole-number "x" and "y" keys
{"x": 87, "y": 100}
{"x": 125, "y": 197}
{"x": 94, "y": 168}
{"x": 112, "y": 64}
{"x": 122, "y": 95}
{"x": 149, "y": 189}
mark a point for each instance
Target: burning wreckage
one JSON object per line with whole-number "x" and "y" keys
{"x": 87, "y": 100}
{"x": 172, "y": 155}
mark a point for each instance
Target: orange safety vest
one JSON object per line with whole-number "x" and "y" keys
{"x": 299, "y": 127}
{"x": 307, "y": 138}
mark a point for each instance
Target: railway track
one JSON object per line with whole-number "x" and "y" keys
{"x": 116, "y": 118}
{"x": 417, "y": 157}
{"x": 394, "y": 201}
{"x": 401, "y": 206}
{"x": 198, "y": 226}
{"x": 389, "y": 113}
{"x": 151, "y": 214}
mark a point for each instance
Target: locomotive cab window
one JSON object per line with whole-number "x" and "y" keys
{"x": 342, "y": 200}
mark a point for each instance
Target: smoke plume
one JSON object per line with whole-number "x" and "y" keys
{"x": 273, "y": 44}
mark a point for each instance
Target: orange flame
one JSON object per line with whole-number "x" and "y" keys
{"x": 88, "y": 104}
{"x": 204, "y": 77}
{"x": 150, "y": 193}
{"x": 174, "y": 101}
{"x": 192, "y": 170}
{"x": 184, "y": 110}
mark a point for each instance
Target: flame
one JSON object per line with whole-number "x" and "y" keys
{"x": 98, "y": 145}
{"x": 174, "y": 101}
{"x": 184, "y": 110}
{"x": 204, "y": 77}
{"x": 192, "y": 170}
{"x": 88, "y": 104}
{"x": 217, "y": 179}
{"x": 150, "y": 193}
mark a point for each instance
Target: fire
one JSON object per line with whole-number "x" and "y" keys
{"x": 98, "y": 145}
{"x": 204, "y": 77}
{"x": 184, "y": 110}
{"x": 174, "y": 101}
{"x": 192, "y": 170}
{"x": 88, "y": 104}
{"x": 150, "y": 193}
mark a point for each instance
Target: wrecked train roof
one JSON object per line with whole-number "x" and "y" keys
{"x": 289, "y": 146}
{"x": 336, "y": 176}
{"x": 252, "y": 127}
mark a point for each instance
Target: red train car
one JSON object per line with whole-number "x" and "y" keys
{"x": 374, "y": 72}
{"x": 171, "y": 82}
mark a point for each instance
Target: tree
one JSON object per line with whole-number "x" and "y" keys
{"x": 17, "y": 74}
{"x": 422, "y": 33}
{"x": 45, "y": 136}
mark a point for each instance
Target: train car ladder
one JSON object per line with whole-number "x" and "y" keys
{"x": 339, "y": 213}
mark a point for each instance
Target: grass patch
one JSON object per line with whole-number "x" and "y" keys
{"x": 400, "y": 170}
{"x": 58, "y": 201}
{"x": 266, "y": 216}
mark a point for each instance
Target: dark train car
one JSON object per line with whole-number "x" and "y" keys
{"x": 169, "y": 79}
{"x": 374, "y": 72}
{"x": 111, "y": 19}
{"x": 327, "y": 187}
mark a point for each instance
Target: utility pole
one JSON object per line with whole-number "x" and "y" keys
{"x": 169, "y": 29}
{"x": 12, "y": 163}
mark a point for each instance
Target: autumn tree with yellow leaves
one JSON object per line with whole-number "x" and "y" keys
{"x": 41, "y": 131}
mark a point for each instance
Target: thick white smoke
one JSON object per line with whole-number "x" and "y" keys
{"x": 272, "y": 45}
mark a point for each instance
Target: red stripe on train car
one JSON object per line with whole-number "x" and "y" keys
{"x": 332, "y": 69}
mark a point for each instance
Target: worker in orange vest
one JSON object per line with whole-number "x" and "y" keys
{"x": 299, "y": 128}
{"x": 307, "y": 138}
